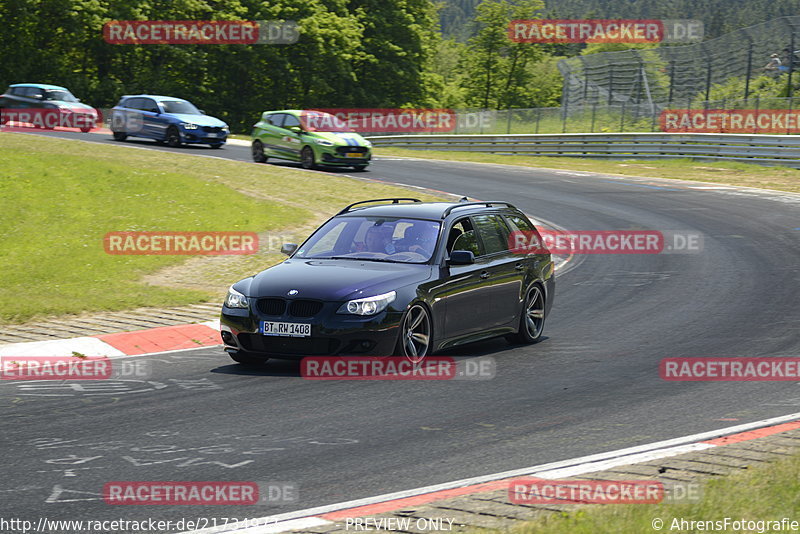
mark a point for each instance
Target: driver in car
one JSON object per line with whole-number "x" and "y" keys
{"x": 418, "y": 238}
{"x": 379, "y": 239}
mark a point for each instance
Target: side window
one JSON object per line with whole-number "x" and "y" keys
{"x": 493, "y": 232}
{"x": 290, "y": 120}
{"x": 523, "y": 232}
{"x": 34, "y": 92}
{"x": 462, "y": 237}
{"x": 148, "y": 104}
{"x": 135, "y": 103}
{"x": 275, "y": 119}
{"x": 520, "y": 224}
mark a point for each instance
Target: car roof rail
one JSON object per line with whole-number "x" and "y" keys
{"x": 393, "y": 201}
{"x": 461, "y": 204}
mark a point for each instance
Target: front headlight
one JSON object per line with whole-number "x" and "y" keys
{"x": 189, "y": 125}
{"x": 323, "y": 142}
{"x": 235, "y": 299}
{"x": 367, "y": 142}
{"x": 368, "y": 305}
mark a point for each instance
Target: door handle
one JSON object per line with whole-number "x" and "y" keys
{"x": 484, "y": 274}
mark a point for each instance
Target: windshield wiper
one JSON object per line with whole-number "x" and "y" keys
{"x": 360, "y": 259}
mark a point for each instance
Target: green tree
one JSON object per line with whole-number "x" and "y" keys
{"x": 497, "y": 68}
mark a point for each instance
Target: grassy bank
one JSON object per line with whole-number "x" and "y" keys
{"x": 763, "y": 493}
{"x": 58, "y": 199}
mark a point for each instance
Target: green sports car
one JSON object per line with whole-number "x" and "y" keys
{"x": 313, "y": 138}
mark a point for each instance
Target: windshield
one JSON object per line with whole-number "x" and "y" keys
{"x": 319, "y": 121}
{"x": 63, "y": 96}
{"x": 386, "y": 239}
{"x": 177, "y": 106}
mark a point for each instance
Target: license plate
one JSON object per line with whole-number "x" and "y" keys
{"x": 214, "y": 135}
{"x": 354, "y": 155}
{"x": 270, "y": 328}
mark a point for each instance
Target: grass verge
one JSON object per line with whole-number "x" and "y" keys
{"x": 728, "y": 173}
{"x": 763, "y": 493}
{"x": 58, "y": 198}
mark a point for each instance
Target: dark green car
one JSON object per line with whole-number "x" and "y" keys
{"x": 313, "y": 138}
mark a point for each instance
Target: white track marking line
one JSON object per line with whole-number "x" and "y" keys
{"x": 552, "y": 470}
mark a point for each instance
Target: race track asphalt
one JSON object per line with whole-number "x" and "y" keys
{"x": 592, "y": 385}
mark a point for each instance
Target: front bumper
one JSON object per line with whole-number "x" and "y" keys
{"x": 338, "y": 155}
{"x": 195, "y": 136}
{"x": 332, "y": 334}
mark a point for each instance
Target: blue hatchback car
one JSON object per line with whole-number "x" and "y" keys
{"x": 166, "y": 119}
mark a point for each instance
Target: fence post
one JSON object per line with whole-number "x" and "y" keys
{"x": 508, "y": 121}
{"x": 671, "y": 80}
{"x": 585, "y": 77}
{"x": 756, "y": 113}
{"x": 610, "y": 82}
{"x": 538, "y": 113}
{"x": 708, "y": 71}
{"x": 789, "y": 88}
{"x": 622, "y": 118}
{"x": 653, "y": 121}
{"x": 749, "y": 65}
{"x": 594, "y": 114}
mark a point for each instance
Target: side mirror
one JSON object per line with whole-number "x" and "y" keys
{"x": 461, "y": 257}
{"x": 288, "y": 248}
{"x": 201, "y": 112}
{"x": 296, "y": 129}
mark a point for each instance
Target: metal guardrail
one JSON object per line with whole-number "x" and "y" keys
{"x": 750, "y": 148}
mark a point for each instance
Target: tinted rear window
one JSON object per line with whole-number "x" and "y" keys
{"x": 493, "y": 232}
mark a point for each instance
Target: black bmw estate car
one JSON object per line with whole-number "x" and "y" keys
{"x": 394, "y": 277}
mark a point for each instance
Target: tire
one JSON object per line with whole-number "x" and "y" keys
{"x": 307, "y": 158}
{"x": 173, "y": 138}
{"x": 416, "y": 334}
{"x": 359, "y": 168}
{"x": 216, "y": 145}
{"x": 86, "y": 130}
{"x": 257, "y": 150}
{"x": 243, "y": 359}
{"x": 532, "y": 318}
{"x": 119, "y": 136}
